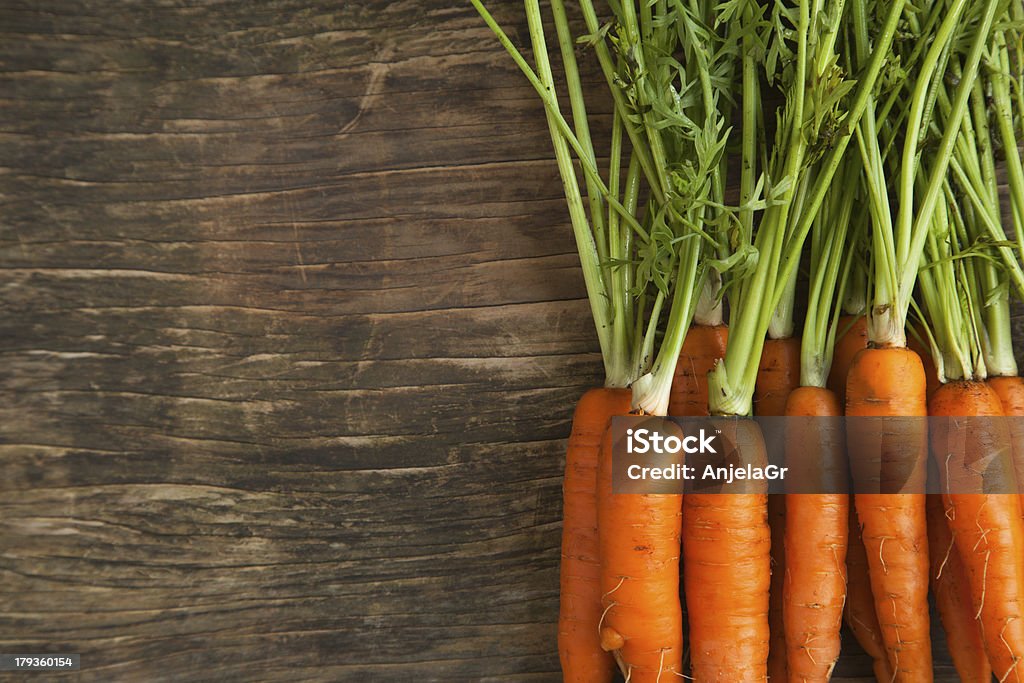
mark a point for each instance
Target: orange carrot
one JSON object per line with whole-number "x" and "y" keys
{"x": 859, "y": 610}
{"x": 890, "y": 382}
{"x": 853, "y": 336}
{"x": 727, "y": 566}
{"x": 778, "y": 374}
{"x": 986, "y": 528}
{"x": 953, "y": 598}
{"x": 579, "y": 647}
{"x": 777, "y": 670}
{"x": 816, "y": 537}
{"x": 639, "y": 538}
{"x": 860, "y": 604}
{"x": 1011, "y": 395}
{"x": 931, "y": 373}
{"x": 703, "y": 347}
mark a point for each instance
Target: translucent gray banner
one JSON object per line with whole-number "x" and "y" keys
{"x": 953, "y": 455}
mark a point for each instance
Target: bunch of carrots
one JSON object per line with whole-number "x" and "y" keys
{"x": 855, "y": 146}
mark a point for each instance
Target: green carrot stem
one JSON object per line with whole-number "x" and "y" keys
{"x": 567, "y": 48}
{"x": 616, "y": 372}
{"x": 655, "y": 174}
{"x": 546, "y": 93}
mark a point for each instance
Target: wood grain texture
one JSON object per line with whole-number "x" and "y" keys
{"x": 291, "y": 330}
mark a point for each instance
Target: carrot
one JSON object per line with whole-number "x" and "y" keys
{"x": 859, "y": 610}
{"x": 860, "y": 604}
{"x": 639, "y": 538}
{"x": 579, "y": 647}
{"x": 931, "y": 373}
{"x": 853, "y": 336}
{"x": 891, "y": 382}
{"x": 703, "y": 347}
{"x": 778, "y": 374}
{"x": 1011, "y": 393}
{"x": 815, "y": 538}
{"x": 727, "y": 564}
{"x": 1011, "y": 396}
{"x": 953, "y": 598}
{"x": 987, "y": 528}
{"x": 777, "y": 670}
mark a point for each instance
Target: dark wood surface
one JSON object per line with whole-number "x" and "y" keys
{"x": 291, "y": 327}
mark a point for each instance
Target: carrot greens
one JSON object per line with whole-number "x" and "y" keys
{"x": 821, "y": 109}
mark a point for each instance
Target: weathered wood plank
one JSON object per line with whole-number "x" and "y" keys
{"x": 292, "y": 331}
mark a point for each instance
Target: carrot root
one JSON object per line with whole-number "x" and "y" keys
{"x": 952, "y": 593}
{"x": 639, "y": 542}
{"x": 778, "y": 375}
{"x": 859, "y": 610}
{"x": 890, "y": 382}
{"x": 579, "y": 648}
{"x": 816, "y": 530}
{"x": 986, "y": 528}
{"x": 727, "y": 569}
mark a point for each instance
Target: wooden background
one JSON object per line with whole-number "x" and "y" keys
{"x": 291, "y": 327}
